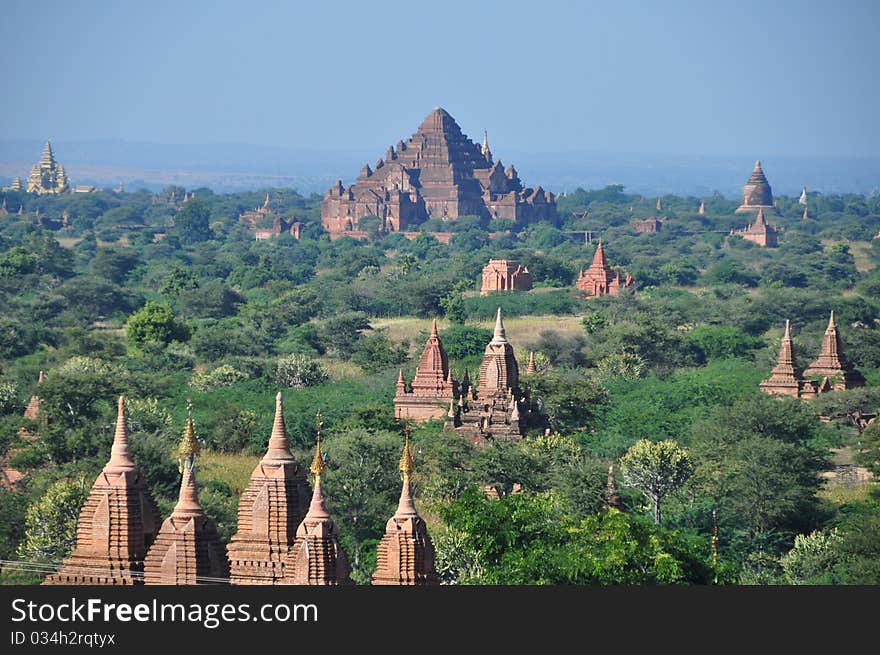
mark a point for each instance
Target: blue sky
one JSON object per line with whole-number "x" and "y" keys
{"x": 704, "y": 78}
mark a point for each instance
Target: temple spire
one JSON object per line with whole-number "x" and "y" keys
{"x": 499, "y": 336}
{"x": 702, "y": 207}
{"x": 612, "y": 499}
{"x": 188, "y": 499}
{"x": 406, "y": 507}
{"x": 120, "y": 454}
{"x": 279, "y": 444}
{"x": 317, "y": 509}
{"x": 434, "y": 333}
{"x": 531, "y": 369}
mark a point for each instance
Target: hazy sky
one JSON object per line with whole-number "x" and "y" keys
{"x": 704, "y": 77}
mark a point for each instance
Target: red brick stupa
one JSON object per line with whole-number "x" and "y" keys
{"x": 270, "y": 509}
{"x": 600, "y": 280}
{"x": 432, "y": 388}
{"x": 405, "y": 555}
{"x": 117, "y": 524}
{"x": 832, "y": 364}
{"x": 756, "y": 193}
{"x": 188, "y": 550}
{"x": 316, "y": 557}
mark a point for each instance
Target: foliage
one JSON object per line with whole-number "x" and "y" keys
{"x": 50, "y": 524}
{"x": 221, "y": 376}
{"x": 155, "y": 322}
{"x": 656, "y": 469}
{"x": 298, "y": 371}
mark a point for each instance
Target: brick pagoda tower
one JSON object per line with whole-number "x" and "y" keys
{"x": 757, "y": 193}
{"x": 270, "y": 509}
{"x": 117, "y": 524}
{"x": 495, "y": 409}
{"x": 432, "y": 388}
{"x": 832, "y": 364}
{"x": 187, "y": 550}
{"x": 600, "y": 280}
{"x": 316, "y": 557}
{"x": 405, "y": 555}
{"x": 784, "y": 378}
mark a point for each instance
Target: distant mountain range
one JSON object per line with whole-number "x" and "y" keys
{"x": 236, "y": 167}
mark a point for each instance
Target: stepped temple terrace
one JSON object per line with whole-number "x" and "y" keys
{"x": 829, "y": 372}
{"x": 438, "y": 172}
{"x": 505, "y": 275}
{"x": 756, "y": 193}
{"x": 280, "y": 540}
{"x": 600, "y": 280}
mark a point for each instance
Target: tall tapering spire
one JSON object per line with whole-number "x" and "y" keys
{"x": 316, "y": 558}
{"x": 269, "y": 511}
{"x": 189, "y": 447}
{"x": 702, "y": 209}
{"x": 831, "y": 362}
{"x": 406, "y": 507}
{"x": 405, "y": 555}
{"x": 784, "y": 376}
{"x": 279, "y": 444}
{"x": 531, "y": 369}
{"x": 120, "y": 454}
{"x": 117, "y": 523}
{"x": 187, "y": 549}
{"x": 499, "y": 335}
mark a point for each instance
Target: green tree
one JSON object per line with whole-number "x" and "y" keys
{"x": 298, "y": 371}
{"x": 362, "y": 485}
{"x": 155, "y": 322}
{"x": 656, "y": 469}
{"x": 50, "y": 523}
{"x": 192, "y": 222}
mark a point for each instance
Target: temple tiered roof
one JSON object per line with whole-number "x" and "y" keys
{"x": 117, "y": 524}
{"x": 316, "y": 558}
{"x": 832, "y": 364}
{"x": 600, "y": 279}
{"x": 47, "y": 176}
{"x": 432, "y": 388}
{"x": 405, "y": 555}
{"x": 437, "y": 173}
{"x": 756, "y": 192}
{"x": 270, "y": 509}
{"x": 187, "y": 549}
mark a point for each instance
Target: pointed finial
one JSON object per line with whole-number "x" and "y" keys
{"x": 831, "y": 324}
{"x": 41, "y": 378}
{"x": 189, "y": 447}
{"x": 120, "y": 455}
{"x": 407, "y": 466}
{"x": 499, "y": 336}
{"x": 318, "y": 466}
{"x": 400, "y": 381}
{"x": 279, "y": 444}
{"x": 434, "y": 333}
{"x": 787, "y": 334}
{"x": 451, "y": 412}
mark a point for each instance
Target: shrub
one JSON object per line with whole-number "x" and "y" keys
{"x": 298, "y": 371}
{"x": 222, "y": 376}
